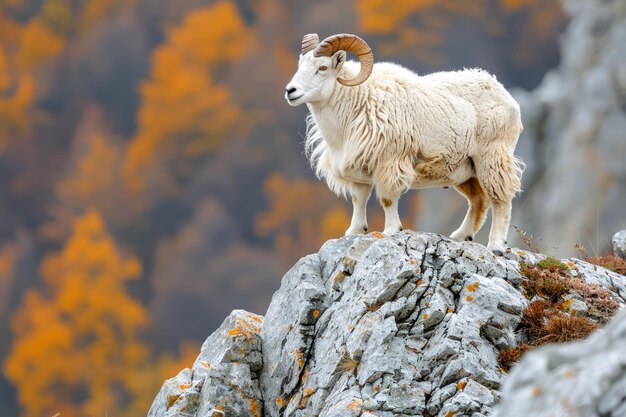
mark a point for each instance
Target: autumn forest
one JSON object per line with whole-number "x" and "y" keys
{"x": 152, "y": 178}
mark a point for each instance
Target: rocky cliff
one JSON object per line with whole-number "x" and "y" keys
{"x": 573, "y": 140}
{"x": 583, "y": 379}
{"x": 409, "y": 325}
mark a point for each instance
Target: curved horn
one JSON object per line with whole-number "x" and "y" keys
{"x": 349, "y": 43}
{"x": 309, "y": 42}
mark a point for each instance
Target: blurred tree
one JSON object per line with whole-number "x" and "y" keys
{"x": 76, "y": 348}
{"x": 302, "y": 215}
{"x": 186, "y": 113}
{"x": 422, "y": 28}
{"x": 91, "y": 181}
{"x": 21, "y": 52}
{"x": 32, "y": 36}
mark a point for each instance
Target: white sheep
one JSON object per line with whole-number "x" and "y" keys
{"x": 383, "y": 125}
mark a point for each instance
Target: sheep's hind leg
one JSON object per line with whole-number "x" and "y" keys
{"x": 392, "y": 218}
{"x": 476, "y": 212}
{"x": 360, "y": 193}
{"x": 501, "y": 211}
{"x": 499, "y": 176}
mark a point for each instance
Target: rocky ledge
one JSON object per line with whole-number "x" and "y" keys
{"x": 408, "y": 325}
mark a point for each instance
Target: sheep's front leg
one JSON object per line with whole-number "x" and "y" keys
{"x": 392, "y": 218}
{"x": 360, "y": 193}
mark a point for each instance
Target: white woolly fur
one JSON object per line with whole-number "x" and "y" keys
{"x": 399, "y": 131}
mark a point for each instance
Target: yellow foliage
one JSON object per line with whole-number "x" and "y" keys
{"x": 381, "y": 16}
{"x": 335, "y": 222}
{"x": 418, "y": 26}
{"x": 37, "y": 44}
{"x": 93, "y": 180}
{"x": 8, "y": 254}
{"x": 28, "y": 44}
{"x": 185, "y": 113}
{"x": 302, "y": 215}
{"x": 57, "y": 15}
{"x": 75, "y": 345}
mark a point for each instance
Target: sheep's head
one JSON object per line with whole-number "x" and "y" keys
{"x": 319, "y": 67}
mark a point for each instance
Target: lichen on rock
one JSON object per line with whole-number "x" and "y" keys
{"x": 410, "y": 325}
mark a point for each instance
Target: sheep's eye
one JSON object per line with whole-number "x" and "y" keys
{"x": 323, "y": 68}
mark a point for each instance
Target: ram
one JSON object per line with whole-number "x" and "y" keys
{"x": 381, "y": 125}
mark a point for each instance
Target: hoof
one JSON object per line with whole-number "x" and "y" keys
{"x": 469, "y": 239}
{"x": 388, "y": 232}
{"x": 459, "y": 236}
{"x": 356, "y": 231}
{"x": 498, "y": 248}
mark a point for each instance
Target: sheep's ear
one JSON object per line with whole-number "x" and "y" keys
{"x": 339, "y": 58}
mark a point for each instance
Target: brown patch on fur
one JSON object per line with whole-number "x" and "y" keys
{"x": 475, "y": 194}
{"x": 385, "y": 202}
{"x": 434, "y": 168}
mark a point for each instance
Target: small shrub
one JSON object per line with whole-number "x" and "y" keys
{"x": 510, "y": 356}
{"x": 610, "y": 262}
{"x": 547, "y": 283}
{"x": 601, "y": 305}
{"x": 561, "y": 328}
{"x": 544, "y": 320}
{"x": 533, "y": 318}
{"x": 552, "y": 264}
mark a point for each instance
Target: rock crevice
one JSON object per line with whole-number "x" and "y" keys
{"x": 409, "y": 325}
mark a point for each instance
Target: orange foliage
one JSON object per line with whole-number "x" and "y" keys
{"x": 95, "y": 170}
{"x": 37, "y": 44}
{"x": 8, "y": 257}
{"x": 92, "y": 181}
{"x": 28, "y": 44}
{"x": 418, "y": 26}
{"x": 75, "y": 347}
{"x": 20, "y": 52}
{"x": 185, "y": 113}
{"x": 381, "y": 16}
{"x": 302, "y": 215}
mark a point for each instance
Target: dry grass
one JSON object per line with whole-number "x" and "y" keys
{"x": 545, "y": 320}
{"x": 527, "y": 239}
{"x": 546, "y": 279}
{"x": 561, "y": 328}
{"x": 373, "y": 306}
{"x": 347, "y": 364}
{"x": 510, "y": 356}
{"x": 533, "y": 319}
{"x": 601, "y": 305}
{"x": 610, "y": 262}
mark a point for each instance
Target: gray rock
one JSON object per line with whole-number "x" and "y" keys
{"x": 405, "y": 325}
{"x": 619, "y": 244}
{"x": 585, "y": 379}
{"x": 573, "y": 139}
{"x": 223, "y": 379}
{"x": 575, "y": 305}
